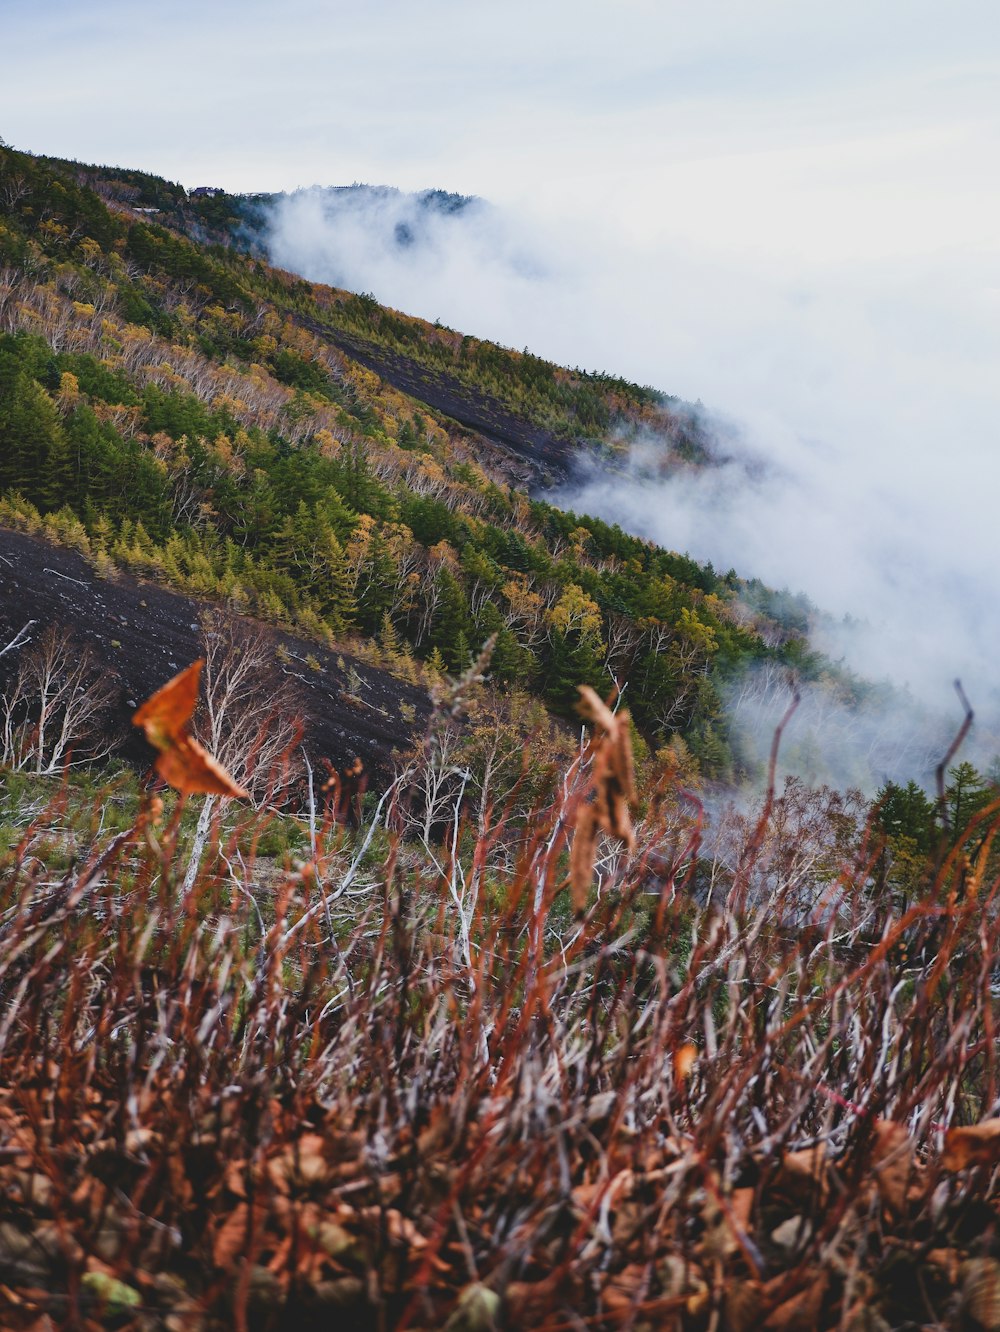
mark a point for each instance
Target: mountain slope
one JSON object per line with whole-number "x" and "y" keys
{"x": 141, "y": 634}
{"x": 325, "y": 464}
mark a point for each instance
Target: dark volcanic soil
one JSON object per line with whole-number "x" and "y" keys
{"x": 143, "y": 634}
{"x": 548, "y": 455}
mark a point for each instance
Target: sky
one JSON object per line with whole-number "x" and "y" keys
{"x": 789, "y": 210}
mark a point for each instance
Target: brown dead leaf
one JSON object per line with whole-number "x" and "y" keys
{"x": 593, "y": 707}
{"x": 581, "y": 857}
{"x": 684, "y": 1060}
{"x": 977, "y": 1145}
{"x": 236, "y": 1178}
{"x": 741, "y": 1306}
{"x": 232, "y": 1237}
{"x": 893, "y": 1160}
{"x": 612, "y": 792}
{"x": 165, "y": 718}
{"x": 302, "y": 1165}
{"x": 799, "y": 1313}
{"x": 981, "y": 1292}
{"x": 528, "y": 1302}
{"x": 948, "y": 1260}
{"x": 803, "y": 1175}
{"x": 624, "y": 1289}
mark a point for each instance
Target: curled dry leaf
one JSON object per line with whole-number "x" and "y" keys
{"x": 233, "y": 1236}
{"x": 182, "y": 762}
{"x": 978, "y": 1145}
{"x": 612, "y": 791}
{"x": 302, "y": 1165}
{"x": 894, "y": 1165}
{"x": 593, "y": 707}
{"x": 800, "y": 1312}
{"x": 803, "y": 1175}
{"x": 684, "y": 1059}
{"x": 581, "y": 856}
{"x": 981, "y": 1292}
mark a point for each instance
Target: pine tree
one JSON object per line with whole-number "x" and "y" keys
{"x": 435, "y": 665}
{"x": 389, "y": 640}
{"x": 33, "y": 455}
{"x": 965, "y": 796}
{"x": 336, "y": 596}
{"x": 374, "y": 595}
{"x": 452, "y": 619}
{"x": 460, "y": 653}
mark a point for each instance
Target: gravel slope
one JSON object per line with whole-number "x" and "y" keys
{"x": 143, "y": 634}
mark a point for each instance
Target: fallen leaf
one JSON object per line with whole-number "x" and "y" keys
{"x": 893, "y": 1163}
{"x": 800, "y": 1313}
{"x": 302, "y": 1165}
{"x": 340, "y": 1293}
{"x": 948, "y": 1260}
{"x": 741, "y": 1306}
{"x": 977, "y": 1145}
{"x": 678, "y": 1277}
{"x": 792, "y": 1234}
{"x": 232, "y": 1237}
{"x": 802, "y": 1175}
{"x": 624, "y": 1289}
{"x": 477, "y": 1310}
{"x": 981, "y": 1292}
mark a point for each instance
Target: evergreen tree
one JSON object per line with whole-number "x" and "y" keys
{"x": 906, "y": 811}
{"x": 33, "y": 454}
{"x": 452, "y": 621}
{"x": 375, "y": 584}
{"x": 965, "y": 795}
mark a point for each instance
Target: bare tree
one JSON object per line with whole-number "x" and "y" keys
{"x": 20, "y": 638}
{"x": 250, "y": 721}
{"x": 434, "y": 778}
{"x": 55, "y": 713}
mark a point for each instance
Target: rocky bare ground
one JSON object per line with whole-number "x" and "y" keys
{"x": 544, "y": 457}
{"x": 143, "y": 634}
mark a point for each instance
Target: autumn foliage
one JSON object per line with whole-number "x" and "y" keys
{"x": 403, "y": 1087}
{"x": 181, "y": 761}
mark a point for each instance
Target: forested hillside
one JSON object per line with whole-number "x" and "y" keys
{"x": 395, "y": 1000}
{"x": 181, "y": 411}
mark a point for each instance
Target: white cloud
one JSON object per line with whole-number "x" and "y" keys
{"x": 789, "y": 210}
{"x": 865, "y": 386}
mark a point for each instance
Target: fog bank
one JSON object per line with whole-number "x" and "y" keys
{"x": 858, "y": 399}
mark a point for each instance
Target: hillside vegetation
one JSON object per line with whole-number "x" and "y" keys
{"x": 181, "y": 411}
{"x": 751, "y": 1086}
{"x": 533, "y": 1030}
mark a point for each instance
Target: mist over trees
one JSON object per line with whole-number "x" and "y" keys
{"x": 622, "y": 1025}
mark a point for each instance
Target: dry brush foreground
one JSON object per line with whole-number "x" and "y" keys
{"x": 404, "y": 1088}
